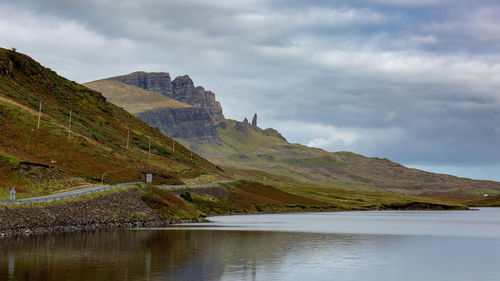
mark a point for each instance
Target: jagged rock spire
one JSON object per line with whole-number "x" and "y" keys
{"x": 254, "y": 120}
{"x": 245, "y": 120}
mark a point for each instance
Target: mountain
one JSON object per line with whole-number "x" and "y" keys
{"x": 244, "y": 145}
{"x": 134, "y": 99}
{"x": 249, "y": 147}
{"x": 82, "y": 137}
{"x": 193, "y": 121}
{"x": 181, "y": 89}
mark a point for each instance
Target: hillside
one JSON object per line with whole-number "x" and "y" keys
{"x": 45, "y": 159}
{"x": 133, "y": 99}
{"x": 134, "y": 92}
{"x": 182, "y": 88}
{"x": 242, "y": 145}
{"x": 82, "y": 140}
{"x": 249, "y": 147}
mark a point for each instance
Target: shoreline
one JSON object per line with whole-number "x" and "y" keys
{"x": 130, "y": 225}
{"x": 127, "y": 209}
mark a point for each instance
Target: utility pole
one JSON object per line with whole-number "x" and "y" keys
{"x": 39, "y": 115}
{"x": 69, "y": 126}
{"x": 128, "y": 136}
{"x": 149, "y": 152}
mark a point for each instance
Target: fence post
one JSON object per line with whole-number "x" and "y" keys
{"x": 39, "y": 115}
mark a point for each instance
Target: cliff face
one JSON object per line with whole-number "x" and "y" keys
{"x": 181, "y": 89}
{"x": 185, "y": 91}
{"x": 191, "y": 123}
{"x": 159, "y": 82}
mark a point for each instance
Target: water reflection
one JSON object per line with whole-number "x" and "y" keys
{"x": 168, "y": 255}
{"x": 185, "y": 254}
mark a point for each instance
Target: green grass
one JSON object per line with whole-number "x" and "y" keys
{"x": 492, "y": 201}
{"x": 246, "y": 147}
{"x": 98, "y": 136}
{"x": 253, "y": 197}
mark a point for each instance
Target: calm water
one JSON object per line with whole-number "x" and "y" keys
{"x": 354, "y": 246}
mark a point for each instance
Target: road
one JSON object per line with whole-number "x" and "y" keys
{"x": 95, "y": 189}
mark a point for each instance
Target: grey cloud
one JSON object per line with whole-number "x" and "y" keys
{"x": 415, "y": 81}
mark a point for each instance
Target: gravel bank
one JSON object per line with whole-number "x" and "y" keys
{"x": 119, "y": 210}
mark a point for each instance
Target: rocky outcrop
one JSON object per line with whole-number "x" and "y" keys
{"x": 159, "y": 82}
{"x": 254, "y": 120}
{"x": 185, "y": 91}
{"x": 35, "y": 171}
{"x": 190, "y": 123}
{"x": 273, "y": 132}
{"x": 181, "y": 89}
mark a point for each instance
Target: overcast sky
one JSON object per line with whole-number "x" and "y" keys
{"x": 417, "y": 82}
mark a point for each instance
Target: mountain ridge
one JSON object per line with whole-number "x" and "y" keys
{"x": 246, "y": 146}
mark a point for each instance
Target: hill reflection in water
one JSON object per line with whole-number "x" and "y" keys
{"x": 200, "y": 254}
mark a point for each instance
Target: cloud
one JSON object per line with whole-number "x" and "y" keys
{"x": 414, "y": 81}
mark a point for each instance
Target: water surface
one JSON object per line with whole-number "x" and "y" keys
{"x": 455, "y": 245}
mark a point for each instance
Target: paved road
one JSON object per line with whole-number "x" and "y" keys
{"x": 94, "y": 189}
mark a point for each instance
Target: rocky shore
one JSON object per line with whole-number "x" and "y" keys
{"x": 119, "y": 210}
{"x": 128, "y": 209}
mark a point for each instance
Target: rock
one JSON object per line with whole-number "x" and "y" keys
{"x": 222, "y": 125}
{"x": 153, "y": 81}
{"x": 33, "y": 170}
{"x": 273, "y": 132}
{"x": 254, "y": 120}
{"x": 243, "y": 127}
{"x": 181, "y": 89}
{"x": 190, "y": 123}
{"x": 185, "y": 91}
{"x": 107, "y": 211}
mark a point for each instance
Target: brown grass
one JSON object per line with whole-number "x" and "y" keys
{"x": 131, "y": 98}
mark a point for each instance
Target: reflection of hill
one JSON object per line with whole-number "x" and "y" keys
{"x": 165, "y": 255}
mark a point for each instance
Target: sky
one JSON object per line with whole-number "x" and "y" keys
{"x": 417, "y": 82}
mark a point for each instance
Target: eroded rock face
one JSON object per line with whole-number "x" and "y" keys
{"x": 153, "y": 81}
{"x": 35, "y": 171}
{"x": 181, "y": 89}
{"x": 185, "y": 91}
{"x": 191, "y": 123}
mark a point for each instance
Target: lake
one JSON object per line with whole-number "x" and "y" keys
{"x": 389, "y": 245}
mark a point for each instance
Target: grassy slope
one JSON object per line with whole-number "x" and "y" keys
{"x": 98, "y": 140}
{"x": 251, "y": 197}
{"x": 491, "y": 201}
{"x": 248, "y": 147}
{"x": 133, "y": 99}
{"x": 98, "y": 144}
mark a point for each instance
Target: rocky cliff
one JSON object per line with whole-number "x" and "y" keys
{"x": 181, "y": 89}
{"x": 190, "y": 123}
